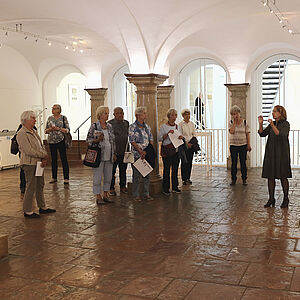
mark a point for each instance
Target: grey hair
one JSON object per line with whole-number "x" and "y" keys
{"x": 118, "y": 108}
{"x": 26, "y": 115}
{"x": 235, "y": 109}
{"x": 170, "y": 111}
{"x": 185, "y": 111}
{"x": 100, "y": 110}
{"x": 57, "y": 106}
{"x": 139, "y": 110}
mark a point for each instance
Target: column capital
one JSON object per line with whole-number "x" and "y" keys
{"x": 238, "y": 87}
{"x": 164, "y": 91}
{"x": 146, "y": 80}
{"x": 96, "y": 93}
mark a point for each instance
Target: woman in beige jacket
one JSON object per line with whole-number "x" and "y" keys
{"x": 32, "y": 151}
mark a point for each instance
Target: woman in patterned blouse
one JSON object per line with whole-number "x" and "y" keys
{"x": 56, "y": 126}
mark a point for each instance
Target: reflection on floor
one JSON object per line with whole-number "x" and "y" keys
{"x": 213, "y": 241}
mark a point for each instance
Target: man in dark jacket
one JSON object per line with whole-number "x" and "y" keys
{"x": 120, "y": 128}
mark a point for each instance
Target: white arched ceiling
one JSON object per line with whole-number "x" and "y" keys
{"x": 145, "y": 33}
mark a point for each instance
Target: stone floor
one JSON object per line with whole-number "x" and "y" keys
{"x": 213, "y": 241}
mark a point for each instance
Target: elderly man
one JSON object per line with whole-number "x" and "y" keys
{"x": 120, "y": 129}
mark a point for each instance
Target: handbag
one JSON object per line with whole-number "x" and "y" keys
{"x": 128, "y": 156}
{"x": 14, "y": 146}
{"x": 67, "y": 135}
{"x": 92, "y": 156}
{"x": 167, "y": 150}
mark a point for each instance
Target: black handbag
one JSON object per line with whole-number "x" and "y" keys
{"x": 92, "y": 156}
{"x": 14, "y": 147}
{"x": 68, "y": 136}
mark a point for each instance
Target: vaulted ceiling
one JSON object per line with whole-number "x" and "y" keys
{"x": 148, "y": 35}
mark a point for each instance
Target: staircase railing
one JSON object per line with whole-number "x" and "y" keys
{"x": 78, "y": 132}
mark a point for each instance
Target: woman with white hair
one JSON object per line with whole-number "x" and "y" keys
{"x": 56, "y": 126}
{"x": 169, "y": 153}
{"x": 239, "y": 141}
{"x": 188, "y": 132}
{"x": 101, "y": 134}
{"x": 32, "y": 151}
{"x": 140, "y": 137}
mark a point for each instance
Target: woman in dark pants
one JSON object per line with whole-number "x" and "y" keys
{"x": 56, "y": 126}
{"x": 170, "y": 158}
{"x": 277, "y": 162}
{"x": 239, "y": 141}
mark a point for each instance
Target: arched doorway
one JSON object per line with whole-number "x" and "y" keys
{"x": 277, "y": 83}
{"x": 202, "y": 90}
{"x": 65, "y": 85}
{"x": 123, "y": 94}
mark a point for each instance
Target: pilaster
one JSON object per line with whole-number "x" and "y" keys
{"x": 97, "y": 99}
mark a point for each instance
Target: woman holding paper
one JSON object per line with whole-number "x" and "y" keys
{"x": 140, "y": 136}
{"x": 33, "y": 153}
{"x": 101, "y": 133}
{"x": 171, "y": 136}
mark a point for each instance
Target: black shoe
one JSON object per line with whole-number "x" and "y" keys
{"x": 271, "y": 202}
{"x": 285, "y": 203}
{"x": 47, "y": 211}
{"x": 189, "y": 181}
{"x": 31, "y": 216}
{"x": 107, "y": 200}
{"x": 244, "y": 182}
{"x": 185, "y": 182}
{"x": 177, "y": 191}
{"x": 100, "y": 202}
{"x": 166, "y": 193}
{"x": 233, "y": 182}
{"x": 112, "y": 193}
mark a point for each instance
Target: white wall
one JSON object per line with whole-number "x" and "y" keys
{"x": 19, "y": 89}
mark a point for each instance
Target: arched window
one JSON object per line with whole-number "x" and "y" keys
{"x": 202, "y": 90}
{"x": 278, "y": 84}
{"x": 123, "y": 94}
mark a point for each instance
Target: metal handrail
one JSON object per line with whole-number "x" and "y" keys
{"x": 77, "y": 130}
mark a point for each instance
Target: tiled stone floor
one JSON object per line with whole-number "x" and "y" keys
{"x": 211, "y": 242}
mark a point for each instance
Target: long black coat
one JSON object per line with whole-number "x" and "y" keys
{"x": 277, "y": 162}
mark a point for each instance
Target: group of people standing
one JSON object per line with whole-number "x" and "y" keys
{"x": 116, "y": 136}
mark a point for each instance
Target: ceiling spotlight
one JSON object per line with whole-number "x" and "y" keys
{"x": 290, "y": 31}
{"x": 265, "y": 3}
{"x": 271, "y": 11}
{"x": 73, "y": 49}
{"x": 280, "y": 21}
{"x": 49, "y": 44}
{"x": 6, "y": 33}
{"x": 67, "y": 47}
{"x": 36, "y": 40}
{"x": 26, "y": 37}
{"x": 74, "y": 43}
{"x": 81, "y": 50}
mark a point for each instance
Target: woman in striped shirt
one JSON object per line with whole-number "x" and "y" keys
{"x": 239, "y": 141}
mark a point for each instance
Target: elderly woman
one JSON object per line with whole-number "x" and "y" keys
{"x": 169, "y": 153}
{"x": 56, "y": 126}
{"x": 32, "y": 151}
{"x": 101, "y": 133}
{"x": 140, "y": 136}
{"x": 188, "y": 132}
{"x": 277, "y": 163}
{"x": 239, "y": 141}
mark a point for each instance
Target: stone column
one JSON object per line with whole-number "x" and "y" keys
{"x": 238, "y": 96}
{"x": 146, "y": 90}
{"x": 163, "y": 102}
{"x": 97, "y": 99}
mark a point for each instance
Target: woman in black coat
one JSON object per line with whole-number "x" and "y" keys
{"x": 277, "y": 163}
